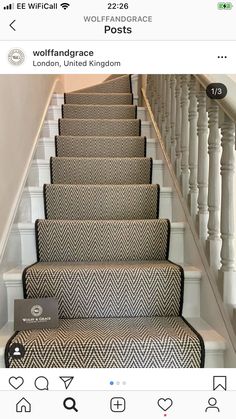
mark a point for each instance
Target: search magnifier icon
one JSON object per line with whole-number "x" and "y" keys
{"x": 70, "y": 404}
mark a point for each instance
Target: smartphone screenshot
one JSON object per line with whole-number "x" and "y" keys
{"x": 117, "y": 209}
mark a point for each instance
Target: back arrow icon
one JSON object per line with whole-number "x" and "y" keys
{"x": 11, "y": 25}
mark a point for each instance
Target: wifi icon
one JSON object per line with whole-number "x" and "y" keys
{"x": 65, "y": 5}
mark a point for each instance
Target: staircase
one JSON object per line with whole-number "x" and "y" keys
{"x": 107, "y": 249}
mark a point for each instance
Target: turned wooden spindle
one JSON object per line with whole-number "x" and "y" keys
{"x": 178, "y": 127}
{"x": 193, "y": 147}
{"x": 203, "y": 165}
{"x": 214, "y": 192}
{"x": 184, "y": 137}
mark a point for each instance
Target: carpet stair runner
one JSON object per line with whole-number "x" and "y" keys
{"x": 99, "y": 98}
{"x": 102, "y": 251}
{"x": 74, "y": 146}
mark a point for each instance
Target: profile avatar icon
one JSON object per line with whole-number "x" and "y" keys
{"x": 212, "y": 405}
{"x": 17, "y": 350}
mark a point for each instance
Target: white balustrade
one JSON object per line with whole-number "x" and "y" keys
{"x": 199, "y": 136}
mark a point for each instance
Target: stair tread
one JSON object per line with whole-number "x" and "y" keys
{"x": 29, "y": 226}
{"x": 121, "y": 343}
{"x": 14, "y": 273}
{"x": 39, "y": 189}
{"x": 212, "y": 339}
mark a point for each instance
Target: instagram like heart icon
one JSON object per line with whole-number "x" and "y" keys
{"x": 165, "y": 404}
{"x": 16, "y": 382}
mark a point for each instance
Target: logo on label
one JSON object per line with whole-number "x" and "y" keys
{"x": 16, "y": 56}
{"x": 36, "y": 310}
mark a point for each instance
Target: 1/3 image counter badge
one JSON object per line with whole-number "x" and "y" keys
{"x": 16, "y": 56}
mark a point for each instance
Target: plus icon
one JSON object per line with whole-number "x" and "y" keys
{"x": 117, "y": 404}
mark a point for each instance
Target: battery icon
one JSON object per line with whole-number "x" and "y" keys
{"x": 224, "y": 6}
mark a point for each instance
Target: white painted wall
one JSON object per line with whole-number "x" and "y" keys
{"x": 23, "y": 104}
{"x": 80, "y": 81}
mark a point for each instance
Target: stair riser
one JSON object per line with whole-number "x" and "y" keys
{"x": 14, "y": 292}
{"x": 57, "y": 99}
{"x": 32, "y": 206}
{"x": 151, "y": 149}
{"x": 55, "y": 112}
{"x": 135, "y": 84}
{"x": 25, "y": 235}
{"x": 50, "y": 129}
{"x": 46, "y": 149}
{"x": 191, "y": 306}
{"x": 40, "y": 173}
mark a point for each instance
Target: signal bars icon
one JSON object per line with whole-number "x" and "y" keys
{"x": 9, "y": 6}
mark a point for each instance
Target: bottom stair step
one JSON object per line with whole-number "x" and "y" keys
{"x": 139, "y": 342}
{"x": 111, "y": 289}
{"x": 214, "y": 343}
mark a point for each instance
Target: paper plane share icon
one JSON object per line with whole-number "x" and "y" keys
{"x": 67, "y": 381}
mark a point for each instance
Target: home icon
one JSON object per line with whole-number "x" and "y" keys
{"x": 23, "y": 406}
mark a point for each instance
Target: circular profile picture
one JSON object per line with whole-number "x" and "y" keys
{"x": 17, "y": 351}
{"x": 36, "y": 311}
{"x": 16, "y": 56}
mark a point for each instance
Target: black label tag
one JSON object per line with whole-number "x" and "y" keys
{"x": 39, "y": 313}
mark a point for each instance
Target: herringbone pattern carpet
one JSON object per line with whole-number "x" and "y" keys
{"x": 102, "y": 251}
{"x": 100, "y": 127}
{"x": 136, "y": 342}
{"x": 69, "y": 146}
{"x": 99, "y": 111}
{"x": 95, "y": 170}
{"x": 101, "y": 202}
{"x": 99, "y": 98}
